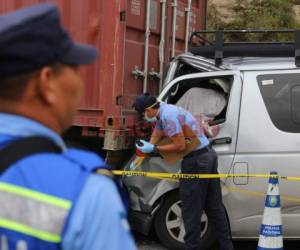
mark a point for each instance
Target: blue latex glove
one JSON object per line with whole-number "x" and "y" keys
{"x": 146, "y": 148}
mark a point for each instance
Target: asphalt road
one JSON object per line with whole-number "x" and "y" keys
{"x": 144, "y": 243}
{"x": 238, "y": 245}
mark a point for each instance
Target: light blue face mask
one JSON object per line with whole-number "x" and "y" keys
{"x": 152, "y": 119}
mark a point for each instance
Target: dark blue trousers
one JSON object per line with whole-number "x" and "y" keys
{"x": 203, "y": 194}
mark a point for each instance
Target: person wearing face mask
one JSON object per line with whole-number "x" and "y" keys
{"x": 196, "y": 194}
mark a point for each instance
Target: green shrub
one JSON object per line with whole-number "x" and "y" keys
{"x": 257, "y": 14}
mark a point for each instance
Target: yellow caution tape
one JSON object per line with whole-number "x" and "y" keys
{"x": 199, "y": 176}
{"x": 177, "y": 176}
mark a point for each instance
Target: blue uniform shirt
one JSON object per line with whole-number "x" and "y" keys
{"x": 98, "y": 220}
{"x": 172, "y": 118}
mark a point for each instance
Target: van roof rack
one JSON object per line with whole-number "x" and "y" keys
{"x": 218, "y": 49}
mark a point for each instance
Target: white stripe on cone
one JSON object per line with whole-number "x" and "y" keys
{"x": 273, "y": 189}
{"x": 270, "y": 242}
{"x": 272, "y": 216}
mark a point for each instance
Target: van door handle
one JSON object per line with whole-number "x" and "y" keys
{"x": 223, "y": 140}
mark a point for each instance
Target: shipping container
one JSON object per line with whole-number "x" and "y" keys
{"x": 136, "y": 40}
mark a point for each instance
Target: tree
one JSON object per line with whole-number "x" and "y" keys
{"x": 261, "y": 14}
{"x": 214, "y": 21}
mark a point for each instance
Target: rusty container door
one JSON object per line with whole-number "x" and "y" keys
{"x": 136, "y": 31}
{"x": 99, "y": 22}
{"x": 118, "y": 29}
{"x": 96, "y": 22}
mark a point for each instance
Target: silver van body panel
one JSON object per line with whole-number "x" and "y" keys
{"x": 264, "y": 148}
{"x": 257, "y": 147}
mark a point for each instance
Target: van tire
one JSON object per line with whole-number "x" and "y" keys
{"x": 168, "y": 236}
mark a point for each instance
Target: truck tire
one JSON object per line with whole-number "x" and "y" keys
{"x": 169, "y": 225}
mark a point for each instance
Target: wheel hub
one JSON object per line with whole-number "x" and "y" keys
{"x": 174, "y": 222}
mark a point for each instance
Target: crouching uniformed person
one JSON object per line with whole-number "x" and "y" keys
{"x": 50, "y": 196}
{"x": 196, "y": 194}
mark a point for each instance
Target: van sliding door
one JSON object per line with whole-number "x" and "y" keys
{"x": 269, "y": 140}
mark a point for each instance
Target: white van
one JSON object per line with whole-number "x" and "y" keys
{"x": 255, "y": 101}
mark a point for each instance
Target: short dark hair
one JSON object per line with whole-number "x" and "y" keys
{"x": 13, "y": 87}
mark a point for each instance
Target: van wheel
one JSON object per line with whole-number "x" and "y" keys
{"x": 170, "y": 229}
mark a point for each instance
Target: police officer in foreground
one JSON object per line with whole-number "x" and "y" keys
{"x": 50, "y": 196}
{"x": 196, "y": 195}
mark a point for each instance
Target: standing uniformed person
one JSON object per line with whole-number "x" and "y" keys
{"x": 196, "y": 195}
{"x": 50, "y": 196}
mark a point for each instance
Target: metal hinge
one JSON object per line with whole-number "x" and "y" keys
{"x": 137, "y": 73}
{"x": 119, "y": 100}
{"x": 153, "y": 75}
{"x": 123, "y": 16}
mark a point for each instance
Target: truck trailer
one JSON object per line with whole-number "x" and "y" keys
{"x": 136, "y": 39}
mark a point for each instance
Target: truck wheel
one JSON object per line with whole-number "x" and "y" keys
{"x": 170, "y": 229}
